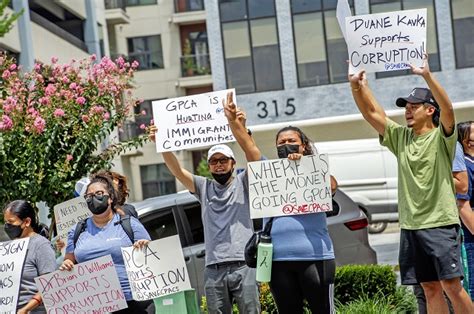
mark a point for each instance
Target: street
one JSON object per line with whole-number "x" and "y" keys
{"x": 386, "y": 245}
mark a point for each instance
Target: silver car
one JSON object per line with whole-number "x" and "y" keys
{"x": 180, "y": 213}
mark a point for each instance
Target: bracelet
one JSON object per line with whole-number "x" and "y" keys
{"x": 356, "y": 89}
{"x": 36, "y": 299}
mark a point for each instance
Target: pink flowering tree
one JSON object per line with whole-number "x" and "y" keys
{"x": 53, "y": 121}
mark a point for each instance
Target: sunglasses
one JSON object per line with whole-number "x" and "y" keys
{"x": 222, "y": 161}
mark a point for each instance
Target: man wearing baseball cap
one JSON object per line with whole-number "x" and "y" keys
{"x": 227, "y": 228}
{"x": 429, "y": 220}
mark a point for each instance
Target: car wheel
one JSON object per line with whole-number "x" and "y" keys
{"x": 377, "y": 227}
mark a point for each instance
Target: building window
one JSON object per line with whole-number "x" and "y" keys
{"x": 380, "y": 6}
{"x": 463, "y": 26}
{"x": 147, "y": 51}
{"x": 251, "y": 45}
{"x": 131, "y": 3}
{"x": 157, "y": 180}
{"x": 321, "y": 51}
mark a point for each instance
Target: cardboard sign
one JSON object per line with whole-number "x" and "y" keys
{"x": 386, "y": 41}
{"x": 283, "y": 187}
{"x": 90, "y": 287}
{"x": 191, "y": 121}
{"x": 12, "y": 257}
{"x": 156, "y": 270}
{"x": 68, "y": 214}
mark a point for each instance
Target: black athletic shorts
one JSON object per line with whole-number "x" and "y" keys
{"x": 432, "y": 254}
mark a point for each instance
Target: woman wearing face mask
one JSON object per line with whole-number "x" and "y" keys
{"x": 303, "y": 256}
{"x": 104, "y": 227}
{"x": 21, "y": 222}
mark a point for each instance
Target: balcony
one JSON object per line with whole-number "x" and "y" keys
{"x": 188, "y": 12}
{"x": 116, "y": 12}
{"x": 195, "y": 71}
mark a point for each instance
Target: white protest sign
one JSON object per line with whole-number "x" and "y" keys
{"x": 12, "y": 257}
{"x": 284, "y": 187}
{"x": 68, "y": 214}
{"x": 191, "y": 121}
{"x": 386, "y": 41}
{"x": 90, "y": 287}
{"x": 156, "y": 270}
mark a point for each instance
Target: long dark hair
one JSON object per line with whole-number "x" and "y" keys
{"x": 109, "y": 185}
{"x": 464, "y": 130}
{"x": 308, "y": 147}
{"x": 23, "y": 209}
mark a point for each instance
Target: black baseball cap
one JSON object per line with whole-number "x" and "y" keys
{"x": 418, "y": 95}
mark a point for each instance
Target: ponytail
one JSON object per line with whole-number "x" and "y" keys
{"x": 23, "y": 209}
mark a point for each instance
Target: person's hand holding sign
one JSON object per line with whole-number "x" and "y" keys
{"x": 152, "y": 129}
{"x": 424, "y": 69}
{"x": 140, "y": 244}
{"x": 358, "y": 80}
{"x": 230, "y": 109}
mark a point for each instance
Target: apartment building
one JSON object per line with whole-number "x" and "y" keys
{"x": 285, "y": 58}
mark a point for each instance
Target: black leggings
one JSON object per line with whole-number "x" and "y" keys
{"x": 294, "y": 281}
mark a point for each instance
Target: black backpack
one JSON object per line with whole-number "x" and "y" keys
{"x": 124, "y": 222}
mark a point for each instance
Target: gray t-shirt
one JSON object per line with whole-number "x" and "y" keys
{"x": 225, "y": 216}
{"x": 39, "y": 260}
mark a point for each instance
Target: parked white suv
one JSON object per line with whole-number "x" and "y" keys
{"x": 367, "y": 172}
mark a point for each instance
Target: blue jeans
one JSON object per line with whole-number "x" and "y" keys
{"x": 470, "y": 262}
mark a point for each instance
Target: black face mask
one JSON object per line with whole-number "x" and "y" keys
{"x": 98, "y": 204}
{"x": 286, "y": 149}
{"x": 13, "y": 231}
{"x": 222, "y": 178}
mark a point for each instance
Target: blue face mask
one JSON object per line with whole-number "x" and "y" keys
{"x": 286, "y": 149}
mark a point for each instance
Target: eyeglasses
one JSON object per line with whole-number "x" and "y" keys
{"x": 222, "y": 161}
{"x": 99, "y": 194}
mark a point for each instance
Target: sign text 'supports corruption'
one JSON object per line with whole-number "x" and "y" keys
{"x": 156, "y": 270}
{"x": 283, "y": 187}
{"x": 90, "y": 287}
{"x": 191, "y": 121}
{"x": 386, "y": 41}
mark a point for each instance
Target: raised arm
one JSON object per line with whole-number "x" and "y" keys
{"x": 446, "y": 118}
{"x": 366, "y": 102}
{"x": 183, "y": 175}
{"x": 252, "y": 153}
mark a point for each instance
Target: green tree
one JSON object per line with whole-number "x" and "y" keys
{"x": 52, "y": 121}
{"x": 6, "y": 20}
{"x": 203, "y": 169}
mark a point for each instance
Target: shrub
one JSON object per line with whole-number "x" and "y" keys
{"x": 352, "y": 281}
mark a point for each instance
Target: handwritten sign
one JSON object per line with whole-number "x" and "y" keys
{"x": 12, "y": 257}
{"x": 157, "y": 270}
{"x": 386, "y": 41}
{"x": 68, "y": 214}
{"x": 191, "y": 121}
{"x": 90, "y": 287}
{"x": 283, "y": 187}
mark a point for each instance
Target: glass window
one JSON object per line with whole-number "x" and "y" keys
{"x": 156, "y": 180}
{"x": 316, "y": 32}
{"x": 251, "y": 45}
{"x": 193, "y": 213}
{"x": 160, "y": 224}
{"x": 140, "y": 2}
{"x": 147, "y": 51}
{"x": 379, "y": 6}
{"x": 463, "y": 26}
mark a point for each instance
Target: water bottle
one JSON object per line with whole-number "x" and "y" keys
{"x": 264, "y": 259}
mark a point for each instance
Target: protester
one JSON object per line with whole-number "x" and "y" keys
{"x": 227, "y": 228}
{"x": 21, "y": 222}
{"x": 121, "y": 187}
{"x": 429, "y": 220}
{"x": 461, "y": 184}
{"x": 102, "y": 228}
{"x": 466, "y": 201}
{"x": 303, "y": 254}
